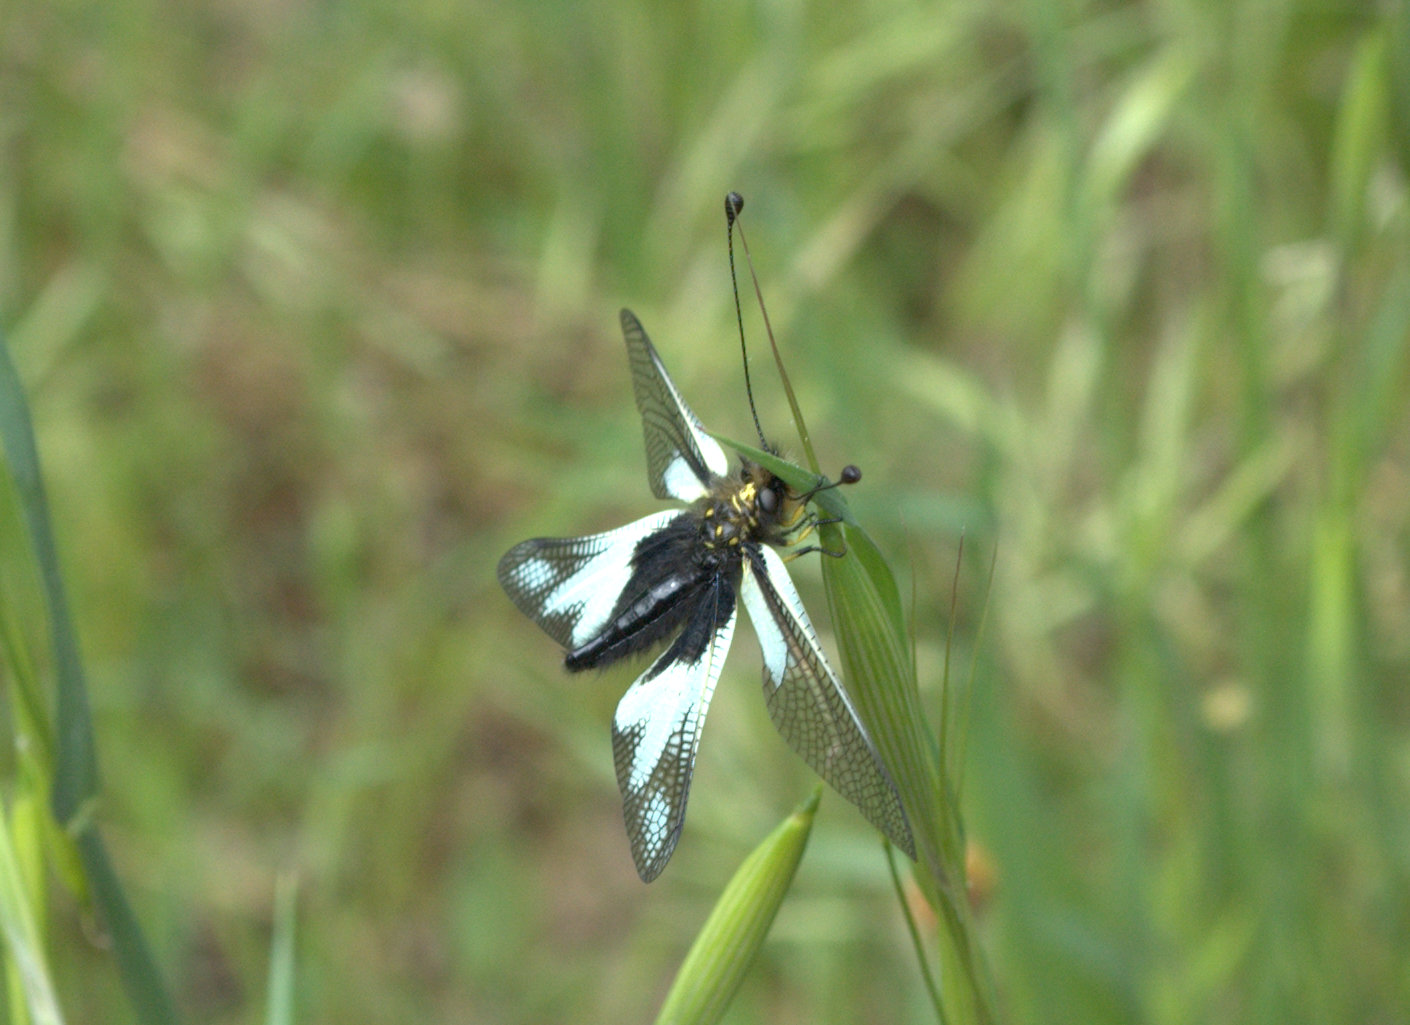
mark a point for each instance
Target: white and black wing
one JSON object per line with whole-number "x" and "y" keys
{"x": 569, "y": 586}
{"x": 681, "y": 459}
{"x": 655, "y": 735}
{"x": 807, "y": 703}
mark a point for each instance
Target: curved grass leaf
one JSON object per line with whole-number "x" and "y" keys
{"x": 875, "y": 652}
{"x": 75, "y": 771}
{"x": 138, "y": 970}
{"x": 879, "y": 672}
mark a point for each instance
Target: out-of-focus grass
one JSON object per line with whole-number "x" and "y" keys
{"x": 317, "y": 306}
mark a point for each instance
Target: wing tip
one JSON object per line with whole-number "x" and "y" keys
{"x": 650, "y": 865}
{"x": 908, "y": 847}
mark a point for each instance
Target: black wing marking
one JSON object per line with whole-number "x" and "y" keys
{"x": 655, "y": 735}
{"x": 681, "y": 459}
{"x": 569, "y": 586}
{"x": 807, "y": 703}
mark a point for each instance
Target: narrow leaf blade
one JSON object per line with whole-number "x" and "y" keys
{"x": 735, "y": 931}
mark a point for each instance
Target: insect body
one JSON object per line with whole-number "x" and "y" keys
{"x": 677, "y": 578}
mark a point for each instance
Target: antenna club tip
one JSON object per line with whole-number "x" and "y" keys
{"x": 851, "y": 473}
{"x": 734, "y": 203}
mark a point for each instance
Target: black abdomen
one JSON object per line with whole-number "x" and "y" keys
{"x": 676, "y": 582}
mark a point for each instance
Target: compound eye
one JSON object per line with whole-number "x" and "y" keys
{"x": 768, "y": 500}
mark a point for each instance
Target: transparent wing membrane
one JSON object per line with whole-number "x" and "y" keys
{"x": 807, "y": 703}
{"x": 569, "y": 586}
{"x": 611, "y": 596}
{"x": 681, "y": 458}
{"x": 655, "y": 735}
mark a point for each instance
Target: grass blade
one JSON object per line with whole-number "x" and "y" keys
{"x": 75, "y": 772}
{"x": 280, "y": 1008}
{"x": 19, "y": 924}
{"x": 881, "y": 678}
{"x": 736, "y": 928}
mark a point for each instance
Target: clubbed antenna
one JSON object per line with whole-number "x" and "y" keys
{"x": 851, "y": 473}
{"x": 734, "y": 204}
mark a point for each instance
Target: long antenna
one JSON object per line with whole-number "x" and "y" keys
{"x": 734, "y": 204}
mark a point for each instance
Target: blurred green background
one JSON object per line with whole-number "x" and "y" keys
{"x": 316, "y": 303}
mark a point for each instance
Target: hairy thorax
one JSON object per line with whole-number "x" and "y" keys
{"x": 758, "y": 507}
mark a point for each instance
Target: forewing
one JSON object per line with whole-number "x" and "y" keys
{"x": 807, "y": 703}
{"x": 570, "y": 585}
{"x": 655, "y": 735}
{"x": 681, "y": 458}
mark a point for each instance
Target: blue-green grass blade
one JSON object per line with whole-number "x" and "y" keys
{"x": 139, "y": 972}
{"x": 76, "y": 771}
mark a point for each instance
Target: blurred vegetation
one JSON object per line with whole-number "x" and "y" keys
{"x": 316, "y": 304}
